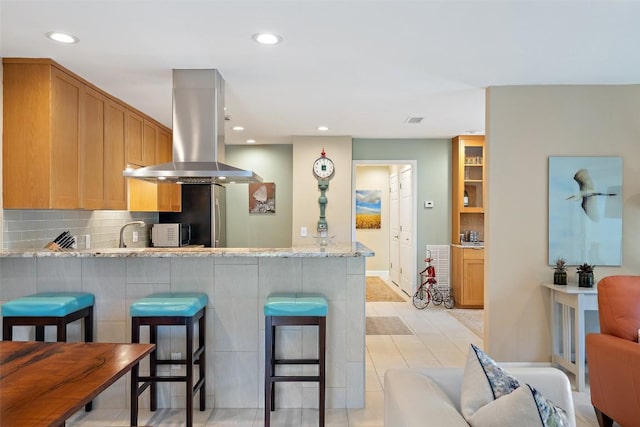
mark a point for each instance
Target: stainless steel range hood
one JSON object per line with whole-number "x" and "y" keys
{"x": 198, "y": 135}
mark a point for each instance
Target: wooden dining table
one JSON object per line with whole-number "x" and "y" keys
{"x": 44, "y": 383}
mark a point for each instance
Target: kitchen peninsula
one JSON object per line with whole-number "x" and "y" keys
{"x": 237, "y": 281}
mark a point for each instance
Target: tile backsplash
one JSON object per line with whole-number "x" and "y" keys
{"x": 33, "y": 229}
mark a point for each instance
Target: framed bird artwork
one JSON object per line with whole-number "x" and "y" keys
{"x": 585, "y": 210}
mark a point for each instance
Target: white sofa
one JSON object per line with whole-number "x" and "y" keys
{"x": 410, "y": 400}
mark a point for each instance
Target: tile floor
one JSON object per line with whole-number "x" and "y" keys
{"x": 438, "y": 340}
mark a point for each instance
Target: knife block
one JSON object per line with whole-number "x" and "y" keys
{"x": 54, "y": 247}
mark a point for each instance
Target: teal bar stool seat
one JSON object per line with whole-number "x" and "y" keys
{"x": 49, "y": 309}
{"x": 170, "y": 309}
{"x": 293, "y": 309}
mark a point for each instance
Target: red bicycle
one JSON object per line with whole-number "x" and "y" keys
{"x": 427, "y": 291}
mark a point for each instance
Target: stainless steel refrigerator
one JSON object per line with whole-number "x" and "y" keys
{"x": 203, "y": 207}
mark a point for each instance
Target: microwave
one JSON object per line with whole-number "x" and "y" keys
{"x": 170, "y": 235}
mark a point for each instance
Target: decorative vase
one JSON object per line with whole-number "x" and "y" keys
{"x": 585, "y": 280}
{"x": 559, "y": 277}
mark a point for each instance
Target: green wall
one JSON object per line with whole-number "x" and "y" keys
{"x": 274, "y": 163}
{"x": 433, "y": 157}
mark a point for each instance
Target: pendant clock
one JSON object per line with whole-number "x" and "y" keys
{"x": 323, "y": 170}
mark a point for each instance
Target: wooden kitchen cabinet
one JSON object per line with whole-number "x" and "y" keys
{"x": 41, "y": 136}
{"x": 115, "y": 132}
{"x": 467, "y": 276}
{"x": 468, "y": 186}
{"x": 66, "y": 142}
{"x": 91, "y": 151}
{"x": 169, "y": 195}
{"x": 468, "y": 171}
{"x": 134, "y": 140}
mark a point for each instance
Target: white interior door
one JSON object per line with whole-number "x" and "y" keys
{"x": 407, "y": 254}
{"x": 394, "y": 230}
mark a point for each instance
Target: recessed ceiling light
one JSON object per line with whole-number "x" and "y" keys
{"x": 322, "y": 128}
{"x": 251, "y": 141}
{"x": 62, "y": 37}
{"x": 238, "y": 128}
{"x": 267, "y": 38}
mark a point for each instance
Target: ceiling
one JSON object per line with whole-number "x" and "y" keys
{"x": 360, "y": 67}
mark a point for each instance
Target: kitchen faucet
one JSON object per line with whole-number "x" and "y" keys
{"x": 122, "y": 245}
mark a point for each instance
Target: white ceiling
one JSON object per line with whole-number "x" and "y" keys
{"x": 359, "y": 67}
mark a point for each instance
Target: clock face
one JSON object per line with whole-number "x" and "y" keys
{"x": 323, "y": 168}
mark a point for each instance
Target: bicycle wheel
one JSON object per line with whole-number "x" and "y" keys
{"x": 421, "y": 298}
{"x": 436, "y": 296}
{"x": 450, "y": 302}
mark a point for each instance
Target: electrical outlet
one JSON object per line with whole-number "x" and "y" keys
{"x": 74, "y": 242}
{"x": 134, "y": 237}
{"x": 87, "y": 241}
{"x": 303, "y": 231}
{"x": 176, "y": 356}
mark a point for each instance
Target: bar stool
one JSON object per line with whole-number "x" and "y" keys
{"x": 288, "y": 310}
{"x": 49, "y": 309}
{"x": 170, "y": 309}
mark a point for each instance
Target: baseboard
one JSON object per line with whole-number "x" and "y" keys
{"x": 383, "y": 274}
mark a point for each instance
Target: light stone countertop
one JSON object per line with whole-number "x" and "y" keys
{"x": 349, "y": 249}
{"x": 480, "y": 245}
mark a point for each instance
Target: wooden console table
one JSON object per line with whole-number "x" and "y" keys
{"x": 44, "y": 383}
{"x": 568, "y": 306}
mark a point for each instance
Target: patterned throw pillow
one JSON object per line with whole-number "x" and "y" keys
{"x": 492, "y": 397}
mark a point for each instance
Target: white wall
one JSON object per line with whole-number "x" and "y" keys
{"x": 306, "y": 210}
{"x": 526, "y": 125}
{"x": 376, "y": 178}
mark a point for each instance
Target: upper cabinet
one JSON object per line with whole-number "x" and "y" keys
{"x": 468, "y": 186}
{"x": 41, "y": 136}
{"x": 66, "y": 142}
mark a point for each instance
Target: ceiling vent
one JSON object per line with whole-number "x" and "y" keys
{"x": 413, "y": 119}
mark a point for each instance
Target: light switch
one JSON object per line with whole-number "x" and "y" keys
{"x": 303, "y": 231}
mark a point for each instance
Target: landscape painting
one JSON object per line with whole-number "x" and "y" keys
{"x": 585, "y": 210}
{"x": 368, "y": 209}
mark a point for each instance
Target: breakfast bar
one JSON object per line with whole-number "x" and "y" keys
{"x": 237, "y": 282}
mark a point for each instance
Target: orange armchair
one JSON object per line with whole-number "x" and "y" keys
{"x": 613, "y": 355}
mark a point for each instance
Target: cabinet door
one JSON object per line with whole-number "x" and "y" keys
{"x": 92, "y": 109}
{"x": 114, "y": 159}
{"x": 134, "y": 139}
{"x": 65, "y": 109}
{"x": 163, "y": 155}
{"x": 473, "y": 283}
{"x": 149, "y": 137}
{"x": 26, "y": 162}
{"x": 457, "y": 274}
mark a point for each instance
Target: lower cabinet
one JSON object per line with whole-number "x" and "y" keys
{"x": 467, "y": 276}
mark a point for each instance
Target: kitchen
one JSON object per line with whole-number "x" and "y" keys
{"x": 240, "y": 279}
{"x": 559, "y": 133}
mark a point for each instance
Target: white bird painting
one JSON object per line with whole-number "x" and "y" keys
{"x": 587, "y": 195}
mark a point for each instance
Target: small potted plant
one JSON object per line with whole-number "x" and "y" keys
{"x": 560, "y": 272}
{"x": 585, "y": 275}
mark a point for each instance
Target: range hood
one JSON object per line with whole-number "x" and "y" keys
{"x": 198, "y": 135}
